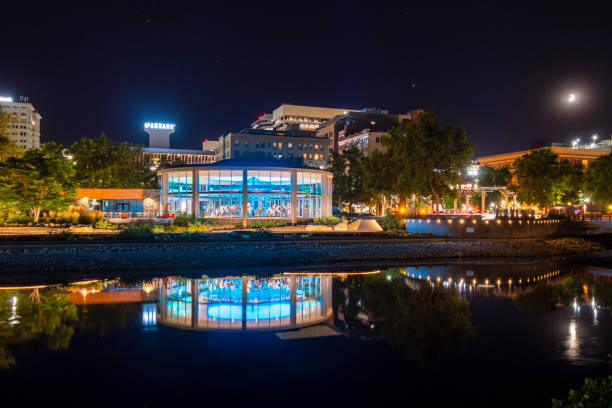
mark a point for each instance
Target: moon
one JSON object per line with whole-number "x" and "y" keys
{"x": 571, "y": 98}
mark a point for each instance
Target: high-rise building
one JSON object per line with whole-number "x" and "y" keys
{"x": 25, "y": 130}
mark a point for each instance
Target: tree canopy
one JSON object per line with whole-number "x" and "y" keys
{"x": 347, "y": 168}
{"x": 544, "y": 181}
{"x": 492, "y": 177}
{"x": 8, "y": 147}
{"x": 41, "y": 179}
{"x": 104, "y": 163}
{"x": 597, "y": 180}
{"x": 426, "y": 159}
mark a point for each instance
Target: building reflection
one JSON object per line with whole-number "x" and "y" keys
{"x": 245, "y": 302}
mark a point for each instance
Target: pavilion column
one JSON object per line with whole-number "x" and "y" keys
{"x": 195, "y": 283}
{"x": 293, "y": 299}
{"x": 467, "y": 202}
{"x": 195, "y": 208}
{"x": 244, "y": 302}
{"x": 455, "y": 206}
{"x": 245, "y": 200}
{"x": 483, "y": 195}
{"x": 293, "y": 197}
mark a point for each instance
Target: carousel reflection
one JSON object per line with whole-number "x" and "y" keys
{"x": 245, "y": 302}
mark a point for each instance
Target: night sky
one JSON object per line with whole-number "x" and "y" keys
{"x": 503, "y": 73}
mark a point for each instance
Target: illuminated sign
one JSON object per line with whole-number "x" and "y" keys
{"x": 149, "y": 125}
{"x": 5, "y": 99}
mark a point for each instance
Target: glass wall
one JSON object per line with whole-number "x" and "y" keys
{"x": 220, "y": 180}
{"x": 220, "y": 205}
{"x": 268, "y": 303}
{"x": 268, "y": 181}
{"x": 269, "y": 205}
{"x": 309, "y": 190}
{"x": 220, "y": 303}
{"x": 180, "y": 182}
{"x": 179, "y": 203}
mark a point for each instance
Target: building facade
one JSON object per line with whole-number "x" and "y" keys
{"x": 582, "y": 155}
{"x": 120, "y": 202}
{"x": 354, "y": 128}
{"x": 284, "y": 145}
{"x": 247, "y": 189}
{"x": 25, "y": 131}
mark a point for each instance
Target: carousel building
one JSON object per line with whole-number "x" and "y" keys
{"x": 247, "y": 189}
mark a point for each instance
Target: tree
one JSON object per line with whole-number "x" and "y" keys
{"x": 377, "y": 177}
{"x": 41, "y": 179}
{"x": 427, "y": 159}
{"x": 597, "y": 180}
{"x": 567, "y": 185}
{"x": 104, "y": 163}
{"x": 8, "y": 147}
{"x": 491, "y": 177}
{"x": 347, "y": 168}
{"x": 536, "y": 172}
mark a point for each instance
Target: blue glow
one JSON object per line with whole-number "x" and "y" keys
{"x": 261, "y": 311}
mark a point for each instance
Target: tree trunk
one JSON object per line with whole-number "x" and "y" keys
{"x": 437, "y": 199}
{"x": 36, "y": 213}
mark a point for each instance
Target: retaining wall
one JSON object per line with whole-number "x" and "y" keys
{"x": 485, "y": 229}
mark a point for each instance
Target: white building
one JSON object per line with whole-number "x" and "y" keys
{"x": 303, "y": 118}
{"x": 25, "y": 131}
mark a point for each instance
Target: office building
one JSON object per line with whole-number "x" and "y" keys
{"x": 284, "y": 145}
{"x": 362, "y": 129}
{"x": 25, "y": 130}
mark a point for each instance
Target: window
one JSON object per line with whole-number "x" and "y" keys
{"x": 316, "y": 147}
{"x": 220, "y": 205}
{"x": 268, "y": 181}
{"x": 290, "y": 145}
{"x": 224, "y": 180}
{"x": 180, "y": 182}
{"x": 269, "y": 205}
{"x": 280, "y": 145}
{"x": 274, "y": 144}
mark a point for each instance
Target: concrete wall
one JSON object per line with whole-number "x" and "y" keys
{"x": 476, "y": 228}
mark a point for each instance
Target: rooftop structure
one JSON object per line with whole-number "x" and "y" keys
{"x": 25, "y": 130}
{"x": 574, "y": 155}
{"x": 305, "y": 118}
{"x": 159, "y": 146}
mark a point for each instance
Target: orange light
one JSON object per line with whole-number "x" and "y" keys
{"x": 402, "y": 210}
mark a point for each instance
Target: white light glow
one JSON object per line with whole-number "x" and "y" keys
{"x": 5, "y": 99}
{"x": 571, "y": 98}
{"x": 153, "y": 125}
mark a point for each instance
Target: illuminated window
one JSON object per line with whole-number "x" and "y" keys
{"x": 290, "y": 145}
{"x": 316, "y": 157}
{"x": 305, "y": 155}
{"x": 274, "y": 144}
{"x": 585, "y": 162}
{"x": 316, "y": 147}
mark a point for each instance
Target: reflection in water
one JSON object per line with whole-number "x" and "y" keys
{"x": 45, "y": 319}
{"x": 421, "y": 310}
{"x": 245, "y": 302}
{"x": 427, "y": 321}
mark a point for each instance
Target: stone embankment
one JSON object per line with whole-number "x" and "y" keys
{"x": 23, "y": 259}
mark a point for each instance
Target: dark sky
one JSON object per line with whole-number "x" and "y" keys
{"x": 503, "y": 73}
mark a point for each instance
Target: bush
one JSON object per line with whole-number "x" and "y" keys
{"x": 103, "y": 224}
{"x": 274, "y": 223}
{"x": 391, "y": 222}
{"x": 326, "y": 221}
{"x": 183, "y": 220}
{"x": 257, "y": 224}
{"x": 594, "y": 393}
{"x": 19, "y": 219}
{"x": 158, "y": 228}
{"x": 207, "y": 221}
{"x": 197, "y": 227}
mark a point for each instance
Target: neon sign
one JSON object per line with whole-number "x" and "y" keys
{"x": 5, "y": 99}
{"x": 150, "y": 125}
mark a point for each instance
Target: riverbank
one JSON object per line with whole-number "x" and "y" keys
{"x": 60, "y": 257}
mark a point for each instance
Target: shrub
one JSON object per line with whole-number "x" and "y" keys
{"x": 197, "y": 227}
{"x": 103, "y": 224}
{"x": 257, "y": 224}
{"x": 183, "y": 220}
{"x": 158, "y": 228}
{"x": 391, "y": 222}
{"x": 19, "y": 219}
{"x": 207, "y": 221}
{"x": 274, "y": 223}
{"x": 594, "y": 393}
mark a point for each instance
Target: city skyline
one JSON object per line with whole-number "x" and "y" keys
{"x": 504, "y": 77}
